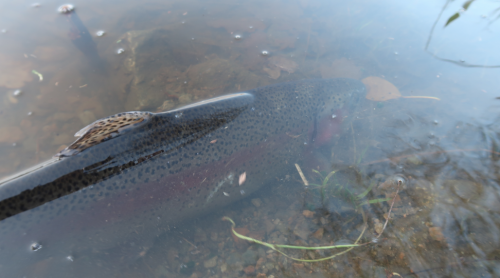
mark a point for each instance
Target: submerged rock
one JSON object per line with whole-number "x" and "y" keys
{"x": 163, "y": 65}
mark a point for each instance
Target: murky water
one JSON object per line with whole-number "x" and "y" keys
{"x": 430, "y": 119}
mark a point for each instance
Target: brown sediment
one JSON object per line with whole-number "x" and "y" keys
{"x": 391, "y": 159}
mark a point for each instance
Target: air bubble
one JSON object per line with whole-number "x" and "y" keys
{"x": 251, "y": 27}
{"x": 35, "y": 246}
{"x": 17, "y": 93}
{"x": 100, "y": 33}
{"x": 120, "y": 51}
{"x": 396, "y": 53}
{"x": 435, "y": 122}
{"x": 66, "y": 8}
{"x": 242, "y": 192}
{"x": 334, "y": 116}
{"x": 70, "y": 258}
{"x": 398, "y": 179}
{"x": 30, "y": 113}
{"x": 265, "y": 53}
{"x": 237, "y": 37}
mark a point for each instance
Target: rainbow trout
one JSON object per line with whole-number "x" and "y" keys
{"x": 127, "y": 177}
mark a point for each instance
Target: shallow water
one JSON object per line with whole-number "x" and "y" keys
{"x": 445, "y": 218}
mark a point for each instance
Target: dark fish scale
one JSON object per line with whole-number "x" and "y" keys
{"x": 164, "y": 163}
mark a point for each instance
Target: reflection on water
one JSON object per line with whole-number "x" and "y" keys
{"x": 482, "y": 15}
{"x": 58, "y": 76}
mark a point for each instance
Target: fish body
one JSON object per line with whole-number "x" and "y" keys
{"x": 128, "y": 177}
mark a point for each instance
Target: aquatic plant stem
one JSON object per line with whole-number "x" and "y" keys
{"x": 390, "y": 209}
{"x": 276, "y": 246}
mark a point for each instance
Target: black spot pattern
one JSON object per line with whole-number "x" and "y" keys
{"x": 175, "y": 164}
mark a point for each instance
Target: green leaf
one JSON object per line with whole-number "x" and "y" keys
{"x": 467, "y": 4}
{"x": 453, "y": 17}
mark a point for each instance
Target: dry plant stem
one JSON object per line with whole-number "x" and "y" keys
{"x": 389, "y": 213}
{"x": 429, "y": 153}
{"x": 189, "y": 242}
{"x": 301, "y": 175}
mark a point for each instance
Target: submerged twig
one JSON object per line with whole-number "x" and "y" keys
{"x": 390, "y": 210}
{"x": 306, "y": 183}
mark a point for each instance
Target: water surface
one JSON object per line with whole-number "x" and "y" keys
{"x": 160, "y": 55}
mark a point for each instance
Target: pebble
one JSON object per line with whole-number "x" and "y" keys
{"x": 319, "y": 233}
{"x": 210, "y": 262}
{"x": 308, "y": 213}
{"x": 249, "y": 270}
{"x": 378, "y": 226}
{"x": 250, "y": 257}
{"x": 436, "y": 233}
{"x": 257, "y": 202}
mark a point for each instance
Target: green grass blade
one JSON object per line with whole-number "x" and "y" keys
{"x": 374, "y": 201}
{"x": 362, "y": 195}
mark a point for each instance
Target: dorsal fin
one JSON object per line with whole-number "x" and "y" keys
{"x": 103, "y": 130}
